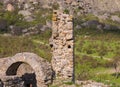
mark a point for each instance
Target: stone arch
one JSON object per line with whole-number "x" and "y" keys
{"x": 24, "y": 71}
{"x": 41, "y": 67}
{"x": 12, "y": 70}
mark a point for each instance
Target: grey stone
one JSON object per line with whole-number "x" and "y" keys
{"x": 49, "y": 24}
{"x": 107, "y": 27}
{"x": 91, "y": 23}
{"x": 25, "y": 13}
{"x": 78, "y": 27}
{"x": 115, "y": 18}
{"x": 28, "y": 18}
{"x": 15, "y": 30}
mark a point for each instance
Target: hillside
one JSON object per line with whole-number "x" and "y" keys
{"x": 25, "y": 25}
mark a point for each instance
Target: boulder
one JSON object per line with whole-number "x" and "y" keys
{"x": 115, "y": 18}
{"x": 25, "y": 13}
{"x": 78, "y": 27}
{"x": 10, "y": 7}
{"x": 15, "y": 30}
{"x": 90, "y": 23}
{"x": 3, "y": 25}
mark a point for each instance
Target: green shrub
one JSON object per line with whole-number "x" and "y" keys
{"x": 12, "y": 17}
{"x": 66, "y": 11}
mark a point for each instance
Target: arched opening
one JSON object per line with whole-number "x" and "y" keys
{"x": 23, "y": 71}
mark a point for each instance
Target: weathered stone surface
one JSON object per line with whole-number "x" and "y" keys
{"x": 27, "y": 15}
{"x": 10, "y": 8}
{"x": 115, "y": 18}
{"x": 41, "y": 67}
{"x": 62, "y": 49}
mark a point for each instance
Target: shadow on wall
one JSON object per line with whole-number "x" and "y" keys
{"x": 26, "y": 80}
{"x": 27, "y": 77}
{"x": 29, "y": 80}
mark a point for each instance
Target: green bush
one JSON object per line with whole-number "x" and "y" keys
{"x": 66, "y": 11}
{"x": 12, "y": 17}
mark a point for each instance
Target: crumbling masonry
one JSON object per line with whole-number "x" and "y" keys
{"x": 62, "y": 46}
{"x": 29, "y": 69}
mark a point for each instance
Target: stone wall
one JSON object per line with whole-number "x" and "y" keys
{"x": 41, "y": 68}
{"x": 61, "y": 43}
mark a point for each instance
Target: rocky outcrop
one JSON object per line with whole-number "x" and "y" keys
{"x": 86, "y": 5}
{"x": 94, "y": 6}
{"x": 103, "y": 5}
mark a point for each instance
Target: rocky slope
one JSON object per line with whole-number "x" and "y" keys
{"x": 36, "y": 14}
{"x": 88, "y": 5}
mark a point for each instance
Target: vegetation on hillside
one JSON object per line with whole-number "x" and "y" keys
{"x": 95, "y": 51}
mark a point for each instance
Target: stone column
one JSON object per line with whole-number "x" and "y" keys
{"x": 62, "y": 46}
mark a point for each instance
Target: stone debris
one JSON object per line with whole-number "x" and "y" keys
{"x": 90, "y": 83}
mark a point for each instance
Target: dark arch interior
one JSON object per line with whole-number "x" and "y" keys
{"x": 12, "y": 70}
{"x": 28, "y": 78}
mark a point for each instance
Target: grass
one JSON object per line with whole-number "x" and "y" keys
{"x": 88, "y": 62}
{"x": 107, "y": 79}
{"x": 93, "y": 50}
{"x": 9, "y": 46}
{"x": 93, "y": 45}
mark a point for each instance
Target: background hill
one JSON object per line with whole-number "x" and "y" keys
{"x": 25, "y": 25}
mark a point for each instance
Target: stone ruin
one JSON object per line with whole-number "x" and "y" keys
{"x": 25, "y": 68}
{"x": 62, "y": 46}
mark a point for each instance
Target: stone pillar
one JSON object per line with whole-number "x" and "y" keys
{"x": 61, "y": 43}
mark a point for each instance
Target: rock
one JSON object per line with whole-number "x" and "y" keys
{"x": 110, "y": 27}
{"x": 90, "y": 84}
{"x": 91, "y": 23}
{"x": 29, "y": 18}
{"x": 115, "y": 18}
{"x": 78, "y": 27}
{"x": 3, "y": 25}
{"x": 7, "y": 35}
{"x": 104, "y": 16}
{"x": 10, "y": 7}
{"x": 49, "y": 24}
{"x": 44, "y": 28}
{"x": 15, "y": 30}
{"x": 107, "y": 27}
{"x": 25, "y": 13}
{"x": 27, "y": 6}
{"x": 100, "y": 27}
